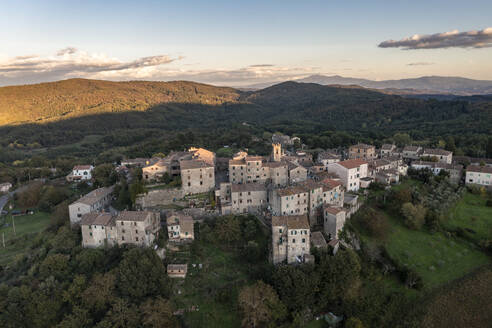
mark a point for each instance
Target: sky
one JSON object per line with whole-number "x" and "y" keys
{"x": 241, "y": 43}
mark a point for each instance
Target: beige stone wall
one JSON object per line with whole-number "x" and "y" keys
{"x": 93, "y": 235}
{"x": 298, "y": 174}
{"x": 333, "y": 223}
{"x": 159, "y": 197}
{"x": 199, "y": 180}
{"x": 237, "y": 173}
{"x": 279, "y": 176}
{"x": 134, "y": 232}
{"x": 279, "y": 244}
{"x": 248, "y": 201}
{"x": 298, "y": 244}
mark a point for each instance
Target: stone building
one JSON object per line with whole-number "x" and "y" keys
{"x": 277, "y": 152}
{"x": 242, "y": 198}
{"x": 412, "y": 152}
{"x": 98, "y": 229}
{"x": 177, "y": 270}
{"x": 277, "y": 172}
{"x": 455, "y": 170}
{"x": 80, "y": 173}
{"x": 297, "y": 172}
{"x": 325, "y": 158}
{"x": 334, "y": 220}
{"x": 180, "y": 227}
{"x": 291, "y": 200}
{"x": 387, "y": 150}
{"x": 248, "y": 198}
{"x": 441, "y": 155}
{"x": 139, "y": 228}
{"x": 128, "y": 227}
{"x": 95, "y": 201}
{"x": 197, "y": 176}
{"x": 350, "y": 172}
{"x": 155, "y": 170}
{"x": 479, "y": 175}
{"x": 290, "y": 239}
{"x": 362, "y": 151}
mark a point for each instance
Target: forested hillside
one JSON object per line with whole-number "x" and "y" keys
{"x": 129, "y": 114}
{"x": 76, "y": 97}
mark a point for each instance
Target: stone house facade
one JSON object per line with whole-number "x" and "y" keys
{"x": 479, "y": 175}
{"x": 333, "y": 220}
{"x": 362, "y": 151}
{"x": 455, "y": 170}
{"x": 442, "y": 156}
{"x": 180, "y": 227}
{"x": 290, "y": 239}
{"x": 350, "y": 172}
{"x": 139, "y": 228}
{"x": 197, "y": 176}
{"x": 95, "y": 201}
{"x": 80, "y": 173}
{"x": 98, "y": 229}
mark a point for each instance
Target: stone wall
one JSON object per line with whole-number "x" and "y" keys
{"x": 159, "y": 197}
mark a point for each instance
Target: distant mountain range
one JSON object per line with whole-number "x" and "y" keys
{"x": 422, "y": 85}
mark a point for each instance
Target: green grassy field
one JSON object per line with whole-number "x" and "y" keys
{"x": 435, "y": 257}
{"x": 220, "y": 278}
{"x": 471, "y": 213}
{"x": 19, "y": 242}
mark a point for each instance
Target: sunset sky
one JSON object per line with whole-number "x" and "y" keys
{"x": 239, "y": 43}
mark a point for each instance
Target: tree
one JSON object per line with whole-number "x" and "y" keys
{"x": 414, "y": 215}
{"x": 55, "y": 265}
{"x": 228, "y": 229}
{"x": 136, "y": 188}
{"x": 353, "y": 322}
{"x": 141, "y": 274}
{"x": 260, "y": 304}
{"x": 122, "y": 314}
{"x": 375, "y": 222}
{"x": 340, "y": 277}
{"x": 100, "y": 293}
{"x": 31, "y": 195}
{"x": 104, "y": 175}
{"x": 158, "y": 313}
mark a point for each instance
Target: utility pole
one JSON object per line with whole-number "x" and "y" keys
{"x": 13, "y": 223}
{"x": 3, "y": 239}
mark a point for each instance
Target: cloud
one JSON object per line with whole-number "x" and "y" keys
{"x": 261, "y": 65}
{"x": 452, "y": 39}
{"x": 420, "y": 64}
{"x": 71, "y": 63}
{"x": 68, "y": 50}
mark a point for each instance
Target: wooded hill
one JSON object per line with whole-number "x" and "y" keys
{"x": 65, "y": 112}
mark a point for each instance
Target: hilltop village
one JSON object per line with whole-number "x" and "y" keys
{"x": 303, "y": 202}
{"x": 315, "y": 231}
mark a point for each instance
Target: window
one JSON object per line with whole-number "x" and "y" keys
{"x": 136, "y": 231}
{"x": 293, "y": 240}
{"x": 304, "y": 240}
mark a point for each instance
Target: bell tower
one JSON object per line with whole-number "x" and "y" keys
{"x": 277, "y": 152}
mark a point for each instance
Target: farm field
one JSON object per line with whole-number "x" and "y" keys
{"x": 210, "y": 288}
{"x": 25, "y": 226}
{"x": 436, "y": 258}
{"x": 446, "y": 307}
{"x": 473, "y": 215}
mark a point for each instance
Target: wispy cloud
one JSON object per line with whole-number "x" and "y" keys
{"x": 452, "y": 39}
{"x": 71, "y": 62}
{"x": 420, "y": 64}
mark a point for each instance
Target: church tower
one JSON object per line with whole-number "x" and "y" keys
{"x": 277, "y": 153}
